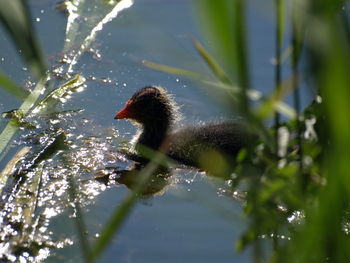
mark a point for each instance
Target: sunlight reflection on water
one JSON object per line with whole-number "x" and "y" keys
{"x": 61, "y": 150}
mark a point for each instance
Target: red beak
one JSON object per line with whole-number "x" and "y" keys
{"x": 123, "y": 114}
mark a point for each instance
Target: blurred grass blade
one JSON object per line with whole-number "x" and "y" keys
{"x": 216, "y": 17}
{"x": 16, "y": 19}
{"x": 213, "y": 65}
{"x": 24, "y": 204}
{"x": 279, "y": 21}
{"x": 79, "y": 219}
{"x": 297, "y": 42}
{"x": 225, "y": 21}
{"x": 30, "y": 201}
{"x": 61, "y": 92}
{"x": 285, "y": 109}
{"x": 298, "y": 21}
{"x": 226, "y": 24}
{"x": 231, "y": 89}
{"x": 285, "y": 54}
{"x": 121, "y": 213}
{"x": 81, "y": 32}
{"x": 10, "y": 166}
{"x": 214, "y": 205}
{"x": 171, "y": 70}
{"x": 275, "y": 101}
{"x": 50, "y": 146}
{"x": 11, "y": 128}
{"x": 11, "y": 87}
{"x": 112, "y": 226}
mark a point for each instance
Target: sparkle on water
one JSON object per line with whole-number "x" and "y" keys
{"x": 74, "y": 155}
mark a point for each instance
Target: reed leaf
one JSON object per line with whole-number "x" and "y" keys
{"x": 120, "y": 214}
{"x": 16, "y": 18}
{"x": 11, "y": 87}
{"x": 279, "y": 13}
{"x": 280, "y": 22}
{"x": 240, "y": 48}
{"x": 80, "y": 32}
{"x": 112, "y": 226}
{"x": 171, "y": 70}
{"x": 210, "y": 61}
{"x": 274, "y": 102}
{"x": 233, "y": 91}
{"x": 79, "y": 220}
{"x": 10, "y": 166}
{"x": 11, "y": 128}
{"x": 25, "y": 202}
{"x": 297, "y": 41}
{"x": 29, "y": 202}
{"x": 225, "y": 21}
{"x": 59, "y": 93}
{"x": 217, "y": 19}
{"x": 67, "y": 88}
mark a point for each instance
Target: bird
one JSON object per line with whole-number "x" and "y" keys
{"x": 206, "y": 146}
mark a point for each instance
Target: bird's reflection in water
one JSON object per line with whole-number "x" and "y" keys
{"x": 131, "y": 177}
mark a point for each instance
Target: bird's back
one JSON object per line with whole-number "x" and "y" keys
{"x": 227, "y": 137}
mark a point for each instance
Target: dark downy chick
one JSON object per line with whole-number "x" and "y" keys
{"x": 155, "y": 111}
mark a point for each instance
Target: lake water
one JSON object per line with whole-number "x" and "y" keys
{"x": 192, "y": 219}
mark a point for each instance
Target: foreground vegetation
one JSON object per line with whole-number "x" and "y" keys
{"x": 295, "y": 182}
{"x": 306, "y": 176}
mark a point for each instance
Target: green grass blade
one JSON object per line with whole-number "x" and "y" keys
{"x": 275, "y": 102}
{"x": 297, "y": 41}
{"x": 80, "y": 32}
{"x": 112, "y": 226}
{"x": 10, "y": 166}
{"x": 16, "y": 19}
{"x": 68, "y": 87}
{"x": 232, "y": 91}
{"x": 11, "y": 87}
{"x": 79, "y": 220}
{"x": 285, "y": 109}
{"x": 61, "y": 92}
{"x": 280, "y": 22}
{"x": 226, "y": 24}
{"x": 121, "y": 213}
{"x": 24, "y": 204}
{"x": 29, "y": 203}
{"x": 279, "y": 19}
{"x": 240, "y": 47}
{"x": 11, "y": 128}
{"x": 217, "y": 20}
{"x": 171, "y": 70}
{"x": 213, "y": 65}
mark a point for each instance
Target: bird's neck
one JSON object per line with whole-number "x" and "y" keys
{"x": 153, "y": 135}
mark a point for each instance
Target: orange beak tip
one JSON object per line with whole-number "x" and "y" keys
{"x": 118, "y": 116}
{"x": 123, "y": 114}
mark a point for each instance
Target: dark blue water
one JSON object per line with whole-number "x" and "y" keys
{"x": 182, "y": 223}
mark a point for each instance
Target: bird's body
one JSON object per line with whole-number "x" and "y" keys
{"x": 226, "y": 137}
{"x": 154, "y": 109}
